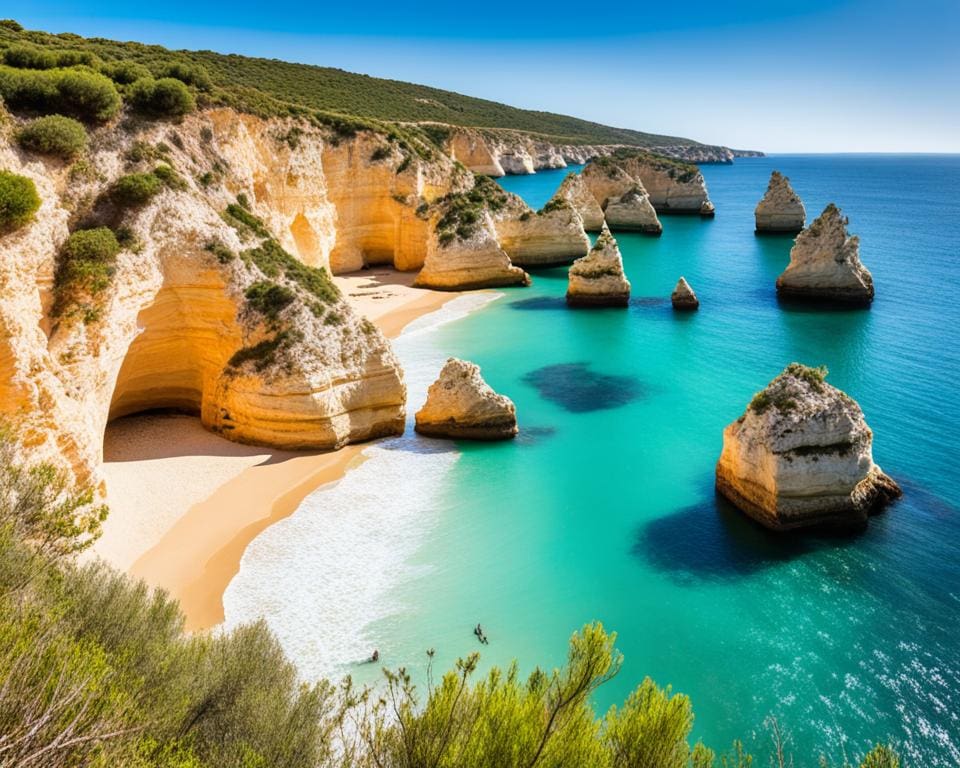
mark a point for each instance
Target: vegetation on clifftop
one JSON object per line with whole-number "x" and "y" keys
{"x": 19, "y": 201}
{"x": 343, "y": 100}
{"x": 95, "y": 670}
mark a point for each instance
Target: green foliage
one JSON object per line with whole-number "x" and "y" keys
{"x": 778, "y": 394}
{"x": 274, "y": 262}
{"x": 86, "y": 267}
{"x": 464, "y": 211}
{"x": 554, "y": 204}
{"x": 264, "y": 353}
{"x": 135, "y": 188}
{"x": 56, "y": 135}
{"x": 19, "y": 201}
{"x": 881, "y": 756}
{"x": 380, "y": 153}
{"x": 187, "y": 72}
{"x": 166, "y": 97}
{"x": 269, "y": 299}
{"x": 651, "y": 730}
{"x": 224, "y": 255}
{"x": 81, "y": 93}
{"x": 237, "y": 216}
{"x": 125, "y": 72}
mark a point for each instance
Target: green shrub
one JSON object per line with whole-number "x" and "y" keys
{"x": 56, "y": 135}
{"x": 125, "y": 72}
{"x": 269, "y": 299}
{"x": 80, "y": 93}
{"x": 185, "y": 72}
{"x": 29, "y": 57}
{"x": 224, "y": 255}
{"x": 135, "y": 188}
{"x": 86, "y": 263}
{"x": 19, "y": 201}
{"x": 166, "y": 97}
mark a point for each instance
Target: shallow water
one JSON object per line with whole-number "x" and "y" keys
{"x": 604, "y": 508}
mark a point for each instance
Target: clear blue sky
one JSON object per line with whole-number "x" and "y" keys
{"x": 860, "y": 75}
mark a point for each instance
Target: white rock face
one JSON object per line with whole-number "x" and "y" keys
{"x": 780, "y": 209}
{"x": 825, "y": 264}
{"x": 598, "y": 280}
{"x": 683, "y": 296}
{"x": 633, "y": 212}
{"x": 574, "y": 190}
{"x": 801, "y": 455}
{"x": 460, "y": 404}
{"x": 549, "y": 237}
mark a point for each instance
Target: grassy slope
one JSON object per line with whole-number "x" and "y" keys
{"x": 268, "y": 86}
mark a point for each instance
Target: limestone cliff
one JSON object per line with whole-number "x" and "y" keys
{"x": 801, "y": 455}
{"x": 214, "y": 306}
{"x": 460, "y": 404}
{"x": 825, "y": 264}
{"x": 549, "y": 237}
{"x": 780, "y": 209}
{"x": 574, "y": 190}
{"x": 673, "y": 186}
{"x": 633, "y": 211}
{"x": 597, "y": 280}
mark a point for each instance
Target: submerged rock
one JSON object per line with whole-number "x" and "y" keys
{"x": 780, "y": 209}
{"x": 801, "y": 455}
{"x": 683, "y": 296}
{"x": 825, "y": 264}
{"x": 633, "y": 211}
{"x": 597, "y": 280}
{"x": 460, "y": 404}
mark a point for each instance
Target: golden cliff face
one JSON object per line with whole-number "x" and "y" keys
{"x": 176, "y": 327}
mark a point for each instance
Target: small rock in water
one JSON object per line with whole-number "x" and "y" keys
{"x": 460, "y": 404}
{"x": 683, "y": 296}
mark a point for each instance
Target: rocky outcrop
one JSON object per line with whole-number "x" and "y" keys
{"x": 549, "y": 237}
{"x": 471, "y": 149}
{"x": 598, "y": 280}
{"x": 683, "y": 297}
{"x": 801, "y": 455}
{"x": 673, "y": 186}
{"x": 574, "y": 190}
{"x": 231, "y": 317}
{"x": 781, "y": 209}
{"x": 465, "y": 263}
{"x": 632, "y": 212}
{"x": 461, "y": 405}
{"x": 825, "y": 264}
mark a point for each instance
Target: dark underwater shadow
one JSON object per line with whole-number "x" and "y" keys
{"x": 715, "y": 540}
{"x": 539, "y": 302}
{"x": 577, "y": 389}
{"x": 817, "y": 306}
{"x": 650, "y": 302}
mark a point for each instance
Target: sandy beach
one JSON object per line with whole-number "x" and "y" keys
{"x": 184, "y": 503}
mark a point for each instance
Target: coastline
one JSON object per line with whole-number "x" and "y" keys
{"x": 186, "y": 503}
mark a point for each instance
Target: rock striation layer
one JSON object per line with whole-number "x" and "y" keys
{"x": 460, "y": 404}
{"x": 781, "y": 209}
{"x": 574, "y": 190}
{"x": 825, "y": 264}
{"x": 598, "y": 280}
{"x": 674, "y": 186}
{"x": 801, "y": 455}
{"x": 683, "y": 296}
{"x": 552, "y": 236}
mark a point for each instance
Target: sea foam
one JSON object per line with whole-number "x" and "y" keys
{"x": 324, "y": 576}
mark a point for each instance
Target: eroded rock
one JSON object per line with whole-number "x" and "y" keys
{"x": 683, "y": 296}
{"x": 781, "y": 209}
{"x": 461, "y": 405}
{"x": 598, "y": 280}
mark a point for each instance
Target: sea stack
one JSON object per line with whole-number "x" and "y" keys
{"x": 825, "y": 264}
{"x": 461, "y": 405}
{"x": 574, "y": 190}
{"x": 683, "y": 297}
{"x": 597, "y": 280}
{"x": 633, "y": 212}
{"x": 801, "y": 455}
{"x": 781, "y": 209}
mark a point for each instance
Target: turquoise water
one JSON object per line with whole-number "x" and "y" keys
{"x": 609, "y": 512}
{"x": 604, "y": 507}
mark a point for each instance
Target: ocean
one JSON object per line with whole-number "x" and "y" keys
{"x": 604, "y": 508}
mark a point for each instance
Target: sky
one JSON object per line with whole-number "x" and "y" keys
{"x": 778, "y": 76}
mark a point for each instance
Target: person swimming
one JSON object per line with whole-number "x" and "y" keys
{"x": 375, "y": 656}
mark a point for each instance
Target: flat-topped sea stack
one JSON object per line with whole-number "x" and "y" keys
{"x": 633, "y": 212}
{"x": 801, "y": 456}
{"x": 683, "y": 297}
{"x": 674, "y": 186}
{"x": 781, "y": 210}
{"x": 550, "y": 237}
{"x": 597, "y": 280}
{"x": 825, "y": 264}
{"x": 574, "y": 190}
{"x": 461, "y": 405}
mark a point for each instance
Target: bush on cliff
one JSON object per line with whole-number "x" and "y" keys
{"x": 81, "y": 93}
{"x": 55, "y": 135}
{"x": 87, "y": 261}
{"x": 166, "y": 97}
{"x": 19, "y": 201}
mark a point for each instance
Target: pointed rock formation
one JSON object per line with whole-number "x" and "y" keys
{"x": 574, "y": 191}
{"x": 460, "y": 404}
{"x": 780, "y": 209}
{"x": 825, "y": 264}
{"x": 632, "y": 212}
{"x": 597, "y": 280}
{"x": 801, "y": 455}
{"x": 683, "y": 296}
{"x": 604, "y": 179}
